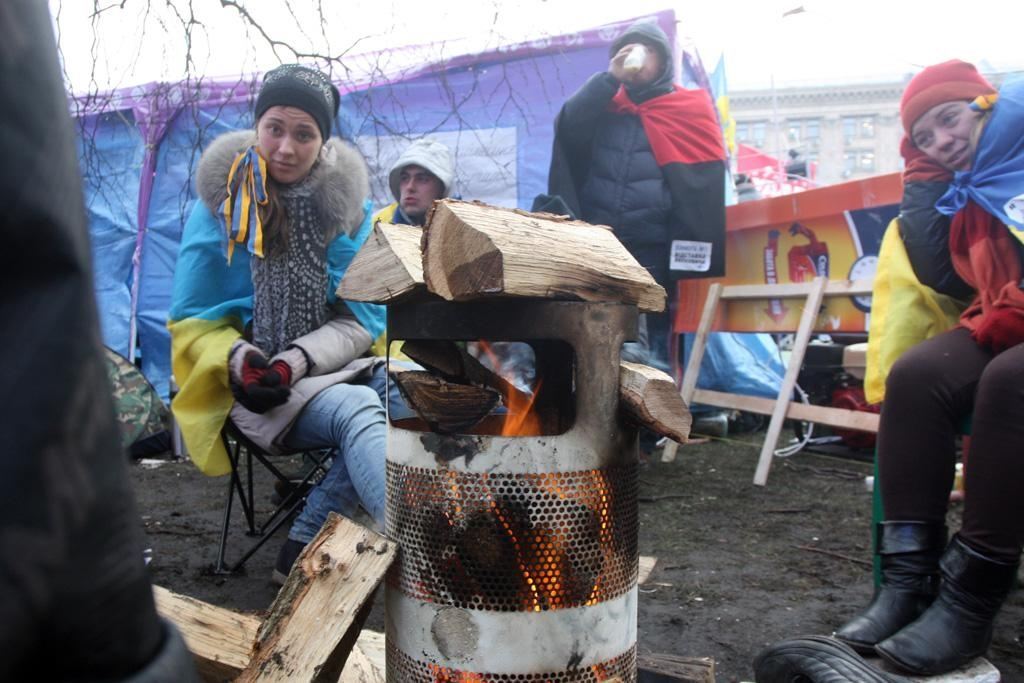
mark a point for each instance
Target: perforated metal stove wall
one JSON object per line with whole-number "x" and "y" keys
{"x": 518, "y": 555}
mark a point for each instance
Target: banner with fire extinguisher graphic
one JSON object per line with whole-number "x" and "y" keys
{"x": 831, "y": 231}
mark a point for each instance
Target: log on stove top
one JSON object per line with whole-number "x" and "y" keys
{"x": 387, "y": 268}
{"x": 470, "y": 250}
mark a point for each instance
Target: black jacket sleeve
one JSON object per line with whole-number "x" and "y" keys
{"x": 925, "y": 234}
{"x": 580, "y": 113}
{"x": 575, "y": 127}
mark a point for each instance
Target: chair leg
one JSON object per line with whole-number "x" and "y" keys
{"x": 247, "y": 503}
{"x": 297, "y": 496}
{"x": 246, "y": 499}
{"x": 219, "y": 567}
{"x": 285, "y": 510}
{"x": 266, "y": 535}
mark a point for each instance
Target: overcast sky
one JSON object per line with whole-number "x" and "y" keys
{"x": 790, "y": 42}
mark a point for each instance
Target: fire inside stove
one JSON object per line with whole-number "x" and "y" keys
{"x": 512, "y": 494}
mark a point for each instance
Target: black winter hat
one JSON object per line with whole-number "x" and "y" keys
{"x": 294, "y": 85}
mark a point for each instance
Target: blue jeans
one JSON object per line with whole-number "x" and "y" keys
{"x": 350, "y": 419}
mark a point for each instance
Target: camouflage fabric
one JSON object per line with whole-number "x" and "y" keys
{"x": 140, "y": 412}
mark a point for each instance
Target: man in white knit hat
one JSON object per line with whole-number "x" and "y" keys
{"x": 422, "y": 174}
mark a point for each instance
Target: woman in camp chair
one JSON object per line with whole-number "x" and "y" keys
{"x": 964, "y": 153}
{"x": 256, "y": 331}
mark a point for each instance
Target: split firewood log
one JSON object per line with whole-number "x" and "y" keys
{"x": 455, "y": 364}
{"x": 472, "y": 250}
{"x": 650, "y": 398}
{"x": 317, "y": 616}
{"x": 387, "y": 268}
{"x": 446, "y": 406}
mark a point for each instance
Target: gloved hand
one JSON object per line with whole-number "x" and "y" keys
{"x": 259, "y": 398}
{"x": 260, "y": 389}
{"x": 287, "y": 367}
{"x": 278, "y": 374}
{"x": 254, "y": 367}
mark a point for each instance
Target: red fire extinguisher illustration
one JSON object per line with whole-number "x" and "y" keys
{"x": 807, "y": 260}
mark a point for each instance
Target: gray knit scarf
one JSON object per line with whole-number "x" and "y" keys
{"x": 290, "y": 287}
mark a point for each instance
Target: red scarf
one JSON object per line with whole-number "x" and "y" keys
{"x": 681, "y": 126}
{"x": 985, "y": 255}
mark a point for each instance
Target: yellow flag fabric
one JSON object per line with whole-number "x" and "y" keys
{"x": 904, "y": 312}
{"x": 199, "y": 352}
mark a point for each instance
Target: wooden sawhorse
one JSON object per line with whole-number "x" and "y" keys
{"x": 781, "y": 407}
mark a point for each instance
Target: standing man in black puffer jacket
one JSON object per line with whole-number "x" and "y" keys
{"x": 639, "y": 153}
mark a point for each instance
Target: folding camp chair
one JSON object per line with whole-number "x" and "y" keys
{"x": 244, "y": 454}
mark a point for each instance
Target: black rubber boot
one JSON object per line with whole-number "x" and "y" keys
{"x": 909, "y": 553}
{"x": 958, "y": 626}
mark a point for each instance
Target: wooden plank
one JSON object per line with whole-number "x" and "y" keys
{"x": 707, "y": 319}
{"x": 649, "y": 397}
{"x": 833, "y": 417}
{"x": 667, "y": 668}
{"x": 387, "y": 268}
{"x": 646, "y": 567}
{"x": 472, "y": 251}
{"x": 796, "y": 359}
{"x": 791, "y": 290}
{"x": 313, "y": 622}
{"x": 366, "y": 663}
{"x": 220, "y": 640}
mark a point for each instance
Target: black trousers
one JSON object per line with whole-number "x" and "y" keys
{"x": 930, "y": 391}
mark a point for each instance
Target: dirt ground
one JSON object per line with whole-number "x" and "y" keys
{"x": 738, "y": 566}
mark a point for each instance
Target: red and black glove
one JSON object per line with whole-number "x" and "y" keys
{"x": 254, "y": 366}
{"x": 261, "y": 388}
{"x": 278, "y": 373}
{"x": 287, "y": 367}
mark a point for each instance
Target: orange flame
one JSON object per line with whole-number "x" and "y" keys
{"x": 521, "y": 419}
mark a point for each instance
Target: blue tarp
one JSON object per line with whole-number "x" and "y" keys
{"x": 747, "y": 363}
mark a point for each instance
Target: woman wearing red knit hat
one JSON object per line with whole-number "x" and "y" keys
{"x": 938, "y": 599}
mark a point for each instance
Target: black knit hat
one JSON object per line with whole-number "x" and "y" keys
{"x": 294, "y": 85}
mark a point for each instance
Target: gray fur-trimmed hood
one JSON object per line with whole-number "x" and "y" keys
{"x": 340, "y": 179}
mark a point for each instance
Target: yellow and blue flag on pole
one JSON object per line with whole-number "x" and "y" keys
{"x": 720, "y": 93}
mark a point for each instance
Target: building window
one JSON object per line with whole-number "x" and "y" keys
{"x": 858, "y": 161}
{"x": 812, "y": 129}
{"x": 858, "y": 128}
{"x": 799, "y": 131}
{"x": 866, "y": 127}
{"x": 849, "y": 128}
{"x": 866, "y": 162}
{"x": 751, "y": 133}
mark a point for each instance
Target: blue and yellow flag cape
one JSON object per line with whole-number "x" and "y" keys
{"x": 995, "y": 180}
{"x": 211, "y": 304}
